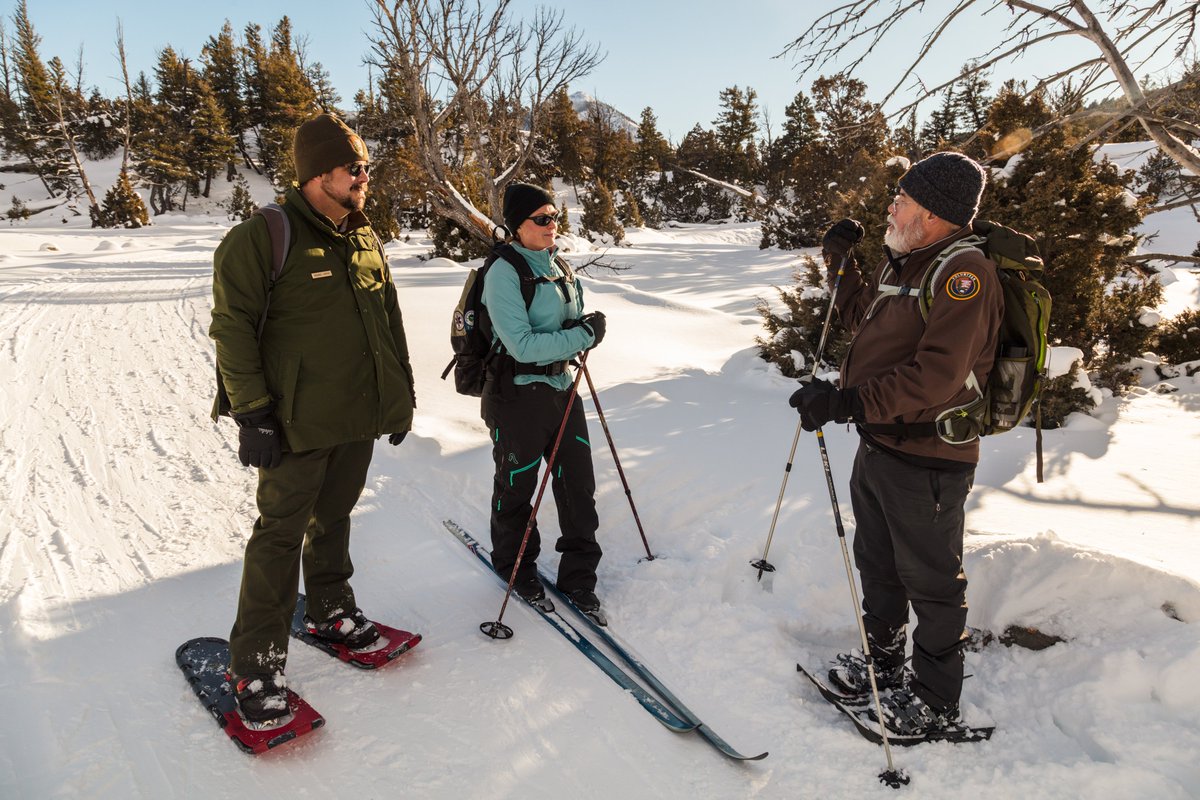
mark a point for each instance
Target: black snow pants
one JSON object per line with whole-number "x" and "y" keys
{"x": 908, "y": 545}
{"x": 523, "y": 422}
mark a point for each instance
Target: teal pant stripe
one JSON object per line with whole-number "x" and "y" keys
{"x": 516, "y": 472}
{"x": 585, "y": 441}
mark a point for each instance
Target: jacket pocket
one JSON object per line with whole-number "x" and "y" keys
{"x": 289, "y": 377}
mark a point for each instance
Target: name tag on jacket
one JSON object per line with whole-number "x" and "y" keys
{"x": 325, "y": 274}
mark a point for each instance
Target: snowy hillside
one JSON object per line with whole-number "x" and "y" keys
{"x": 124, "y": 511}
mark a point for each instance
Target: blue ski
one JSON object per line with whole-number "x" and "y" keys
{"x": 688, "y": 720}
{"x": 576, "y": 637}
{"x": 651, "y": 680}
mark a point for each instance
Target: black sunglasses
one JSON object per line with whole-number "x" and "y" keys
{"x": 542, "y": 220}
{"x": 357, "y": 169}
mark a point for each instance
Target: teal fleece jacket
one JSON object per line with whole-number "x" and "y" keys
{"x": 536, "y": 336}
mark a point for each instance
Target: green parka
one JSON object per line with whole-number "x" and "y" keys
{"x": 333, "y": 357}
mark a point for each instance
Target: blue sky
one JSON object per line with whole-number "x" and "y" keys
{"x": 673, "y": 56}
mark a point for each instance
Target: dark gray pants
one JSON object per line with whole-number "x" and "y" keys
{"x": 523, "y": 426}
{"x": 908, "y": 544}
{"x": 304, "y": 508}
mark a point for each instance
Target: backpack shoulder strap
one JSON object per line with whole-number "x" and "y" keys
{"x": 280, "y": 229}
{"x": 938, "y": 266}
{"x": 529, "y": 281}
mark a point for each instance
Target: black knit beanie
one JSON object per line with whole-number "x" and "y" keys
{"x": 947, "y": 184}
{"x": 521, "y": 200}
{"x": 323, "y": 144}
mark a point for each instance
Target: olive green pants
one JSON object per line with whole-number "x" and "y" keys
{"x": 304, "y": 508}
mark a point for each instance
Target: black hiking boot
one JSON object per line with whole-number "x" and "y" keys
{"x": 353, "y": 630}
{"x": 587, "y": 603}
{"x": 532, "y": 592}
{"x": 849, "y": 677}
{"x": 261, "y": 698}
{"x": 906, "y": 714}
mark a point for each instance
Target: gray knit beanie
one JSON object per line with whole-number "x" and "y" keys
{"x": 323, "y": 144}
{"x": 947, "y": 184}
{"x": 521, "y": 200}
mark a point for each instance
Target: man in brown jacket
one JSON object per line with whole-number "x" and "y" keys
{"x": 909, "y": 484}
{"x": 327, "y": 374}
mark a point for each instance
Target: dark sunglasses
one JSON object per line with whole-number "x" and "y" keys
{"x": 358, "y": 169}
{"x": 542, "y": 220}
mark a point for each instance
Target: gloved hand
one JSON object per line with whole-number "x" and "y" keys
{"x": 260, "y": 443}
{"x": 596, "y": 324}
{"x": 593, "y": 323}
{"x": 840, "y": 240}
{"x": 396, "y": 438}
{"x": 820, "y": 401}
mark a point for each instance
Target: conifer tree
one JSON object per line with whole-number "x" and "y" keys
{"x": 599, "y": 215}
{"x": 942, "y": 126}
{"x": 123, "y": 207}
{"x": 35, "y": 98}
{"x": 223, "y": 72}
{"x": 609, "y": 149}
{"x": 651, "y": 152}
{"x": 569, "y": 150}
{"x": 797, "y": 178}
{"x": 287, "y": 99}
{"x": 735, "y": 132}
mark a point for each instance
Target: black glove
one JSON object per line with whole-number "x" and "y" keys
{"x": 840, "y": 240}
{"x": 593, "y": 323}
{"x": 819, "y": 402}
{"x": 260, "y": 443}
{"x": 396, "y": 438}
{"x": 596, "y": 323}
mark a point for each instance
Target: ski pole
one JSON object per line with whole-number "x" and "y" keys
{"x": 762, "y": 565}
{"x": 497, "y": 629}
{"x": 891, "y": 776}
{"x": 612, "y": 447}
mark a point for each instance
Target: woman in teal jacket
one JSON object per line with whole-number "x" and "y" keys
{"x": 524, "y": 407}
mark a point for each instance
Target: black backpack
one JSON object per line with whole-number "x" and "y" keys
{"x": 476, "y": 357}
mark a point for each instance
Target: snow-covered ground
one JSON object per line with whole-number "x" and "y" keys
{"x": 124, "y": 511}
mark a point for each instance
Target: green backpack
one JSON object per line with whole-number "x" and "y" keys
{"x": 1019, "y": 372}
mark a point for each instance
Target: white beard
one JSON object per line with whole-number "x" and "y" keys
{"x": 902, "y": 240}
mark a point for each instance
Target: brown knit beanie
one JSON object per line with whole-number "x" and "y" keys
{"x": 324, "y": 143}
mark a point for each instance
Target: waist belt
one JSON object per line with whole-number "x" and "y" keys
{"x": 556, "y": 368}
{"x": 906, "y": 430}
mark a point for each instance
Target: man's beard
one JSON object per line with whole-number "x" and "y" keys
{"x": 348, "y": 199}
{"x": 903, "y": 239}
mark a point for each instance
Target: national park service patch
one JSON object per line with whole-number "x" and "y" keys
{"x": 963, "y": 285}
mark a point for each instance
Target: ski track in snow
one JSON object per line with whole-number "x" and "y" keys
{"x": 124, "y": 513}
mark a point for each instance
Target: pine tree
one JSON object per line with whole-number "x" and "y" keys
{"x": 287, "y": 99}
{"x": 241, "y": 205}
{"x": 651, "y": 151}
{"x": 223, "y": 72}
{"x": 36, "y": 131}
{"x": 123, "y": 207}
{"x": 599, "y": 215}
{"x": 941, "y": 128}
{"x": 736, "y": 129}
{"x": 610, "y": 148}
{"x": 797, "y": 178}
{"x": 569, "y": 150}
{"x": 1084, "y": 219}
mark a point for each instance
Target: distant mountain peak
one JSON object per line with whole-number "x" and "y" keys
{"x": 583, "y": 103}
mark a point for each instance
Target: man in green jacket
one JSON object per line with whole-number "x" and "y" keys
{"x": 328, "y": 376}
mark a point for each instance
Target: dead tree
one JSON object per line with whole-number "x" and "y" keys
{"x": 476, "y": 78}
{"x": 1126, "y": 34}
